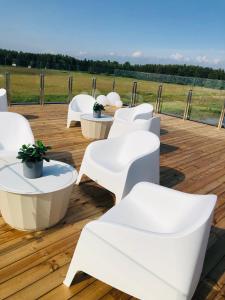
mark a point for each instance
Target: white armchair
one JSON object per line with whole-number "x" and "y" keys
{"x": 15, "y": 131}
{"x": 102, "y": 99}
{"x": 114, "y": 99}
{"x": 141, "y": 111}
{"x": 80, "y": 104}
{"x": 151, "y": 245}
{"x": 3, "y": 100}
{"x": 118, "y": 164}
{"x": 121, "y": 127}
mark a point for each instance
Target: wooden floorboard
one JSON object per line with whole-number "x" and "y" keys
{"x": 34, "y": 264}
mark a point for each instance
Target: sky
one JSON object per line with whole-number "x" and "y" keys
{"x": 138, "y": 31}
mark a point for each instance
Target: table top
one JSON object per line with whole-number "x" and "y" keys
{"x": 56, "y": 176}
{"x": 104, "y": 118}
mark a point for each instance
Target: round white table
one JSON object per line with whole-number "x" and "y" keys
{"x": 95, "y": 128}
{"x": 35, "y": 204}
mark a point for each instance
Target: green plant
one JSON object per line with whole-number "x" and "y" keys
{"x": 33, "y": 153}
{"x": 98, "y": 107}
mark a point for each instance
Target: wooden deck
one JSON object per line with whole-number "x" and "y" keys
{"x": 33, "y": 265}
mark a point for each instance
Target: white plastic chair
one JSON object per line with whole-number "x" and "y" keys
{"x": 121, "y": 127}
{"x": 118, "y": 164}
{"x": 141, "y": 111}
{"x": 114, "y": 99}
{"x": 3, "y": 100}
{"x": 80, "y": 104}
{"x": 102, "y": 99}
{"x": 151, "y": 245}
{"x": 15, "y": 131}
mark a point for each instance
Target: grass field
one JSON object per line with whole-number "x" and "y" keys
{"x": 25, "y": 87}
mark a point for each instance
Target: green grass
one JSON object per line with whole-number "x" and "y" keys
{"x": 25, "y": 84}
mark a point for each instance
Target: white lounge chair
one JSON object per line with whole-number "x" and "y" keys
{"x": 15, "y": 131}
{"x": 141, "y": 111}
{"x": 151, "y": 245}
{"x": 114, "y": 99}
{"x": 118, "y": 164}
{"x": 121, "y": 127}
{"x": 3, "y": 100}
{"x": 80, "y": 104}
{"x": 102, "y": 99}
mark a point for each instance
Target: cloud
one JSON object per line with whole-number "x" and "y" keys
{"x": 112, "y": 53}
{"x": 82, "y": 53}
{"x": 202, "y": 59}
{"x": 136, "y": 54}
{"x": 177, "y": 56}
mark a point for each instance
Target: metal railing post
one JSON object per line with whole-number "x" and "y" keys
{"x": 133, "y": 100}
{"x": 93, "y": 92}
{"x": 220, "y": 124}
{"x": 8, "y": 87}
{"x": 158, "y": 99}
{"x": 70, "y": 88}
{"x": 187, "y": 110}
{"x": 114, "y": 85}
{"x": 42, "y": 88}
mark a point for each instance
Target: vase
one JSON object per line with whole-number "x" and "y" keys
{"x": 97, "y": 114}
{"x": 33, "y": 169}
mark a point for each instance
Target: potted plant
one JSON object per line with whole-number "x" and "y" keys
{"x": 32, "y": 157}
{"x": 97, "y": 109}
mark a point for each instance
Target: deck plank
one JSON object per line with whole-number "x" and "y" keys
{"x": 33, "y": 264}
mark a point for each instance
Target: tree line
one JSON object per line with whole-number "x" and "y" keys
{"x": 65, "y": 62}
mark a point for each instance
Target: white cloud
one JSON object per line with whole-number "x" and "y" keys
{"x": 112, "y": 53}
{"x": 136, "y": 54}
{"x": 202, "y": 59}
{"x": 216, "y": 61}
{"x": 177, "y": 56}
{"x": 82, "y": 52}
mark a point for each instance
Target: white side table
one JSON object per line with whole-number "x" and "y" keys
{"x": 95, "y": 128}
{"x": 35, "y": 204}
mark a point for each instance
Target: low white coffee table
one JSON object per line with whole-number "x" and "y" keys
{"x": 35, "y": 204}
{"x": 95, "y": 128}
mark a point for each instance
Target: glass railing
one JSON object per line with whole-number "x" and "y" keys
{"x": 25, "y": 88}
{"x": 174, "y": 98}
{"x": 56, "y": 88}
{"x": 206, "y": 105}
{"x": 206, "y": 97}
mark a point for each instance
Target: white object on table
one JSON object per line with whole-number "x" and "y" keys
{"x": 95, "y": 128}
{"x": 155, "y": 237}
{"x": 35, "y": 204}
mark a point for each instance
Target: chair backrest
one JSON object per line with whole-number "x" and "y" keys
{"x": 119, "y": 127}
{"x": 82, "y": 103}
{"x": 113, "y": 97}
{"x": 14, "y": 131}
{"x": 138, "y": 143}
{"x": 142, "y": 111}
{"x": 3, "y": 100}
{"x": 174, "y": 211}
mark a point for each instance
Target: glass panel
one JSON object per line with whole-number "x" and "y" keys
{"x": 25, "y": 88}
{"x": 123, "y": 86}
{"x": 174, "y": 98}
{"x": 206, "y": 105}
{"x": 2, "y": 81}
{"x": 147, "y": 91}
{"x": 104, "y": 84}
{"x": 82, "y": 83}
{"x": 56, "y": 87}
